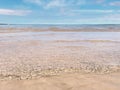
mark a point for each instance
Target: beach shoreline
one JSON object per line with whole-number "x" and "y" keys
{"x": 24, "y": 59}
{"x": 55, "y": 57}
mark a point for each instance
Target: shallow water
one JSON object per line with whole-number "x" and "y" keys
{"x": 51, "y": 36}
{"x": 67, "y": 49}
{"x": 73, "y": 26}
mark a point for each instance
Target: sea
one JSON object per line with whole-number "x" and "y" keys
{"x": 98, "y": 26}
{"x": 20, "y": 36}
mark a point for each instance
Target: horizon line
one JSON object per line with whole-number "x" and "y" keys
{"x": 60, "y": 24}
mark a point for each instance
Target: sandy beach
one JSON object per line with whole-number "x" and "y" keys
{"x": 55, "y": 60}
{"x": 71, "y": 81}
{"x": 59, "y": 44}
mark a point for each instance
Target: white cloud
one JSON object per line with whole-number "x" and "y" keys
{"x": 14, "y": 12}
{"x": 85, "y": 13}
{"x": 100, "y": 1}
{"x": 115, "y": 3}
{"x": 109, "y": 19}
{"x": 62, "y": 5}
{"x": 94, "y": 11}
{"x": 112, "y": 17}
{"x": 38, "y": 2}
{"x": 55, "y": 3}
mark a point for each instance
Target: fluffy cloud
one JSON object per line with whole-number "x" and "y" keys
{"x": 14, "y": 12}
{"x": 115, "y": 3}
{"x": 67, "y": 3}
{"x": 112, "y": 17}
{"x": 99, "y": 1}
{"x": 55, "y": 3}
{"x": 38, "y": 2}
{"x": 108, "y": 18}
{"x": 94, "y": 11}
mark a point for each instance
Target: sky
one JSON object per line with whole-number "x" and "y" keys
{"x": 60, "y": 11}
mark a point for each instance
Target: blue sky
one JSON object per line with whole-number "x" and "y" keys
{"x": 60, "y": 11}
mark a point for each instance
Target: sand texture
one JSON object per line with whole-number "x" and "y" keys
{"x": 59, "y": 61}
{"x": 72, "y": 81}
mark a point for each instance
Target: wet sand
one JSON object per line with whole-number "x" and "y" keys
{"x": 57, "y": 29}
{"x": 59, "y": 61}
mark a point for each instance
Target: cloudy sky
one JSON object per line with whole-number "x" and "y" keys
{"x": 60, "y": 11}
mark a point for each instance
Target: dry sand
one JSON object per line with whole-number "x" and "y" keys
{"x": 72, "y": 81}
{"x": 59, "y": 65}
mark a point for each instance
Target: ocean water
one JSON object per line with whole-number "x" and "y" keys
{"x": 67, "y": 26}
{"x": 51, "y": 36}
